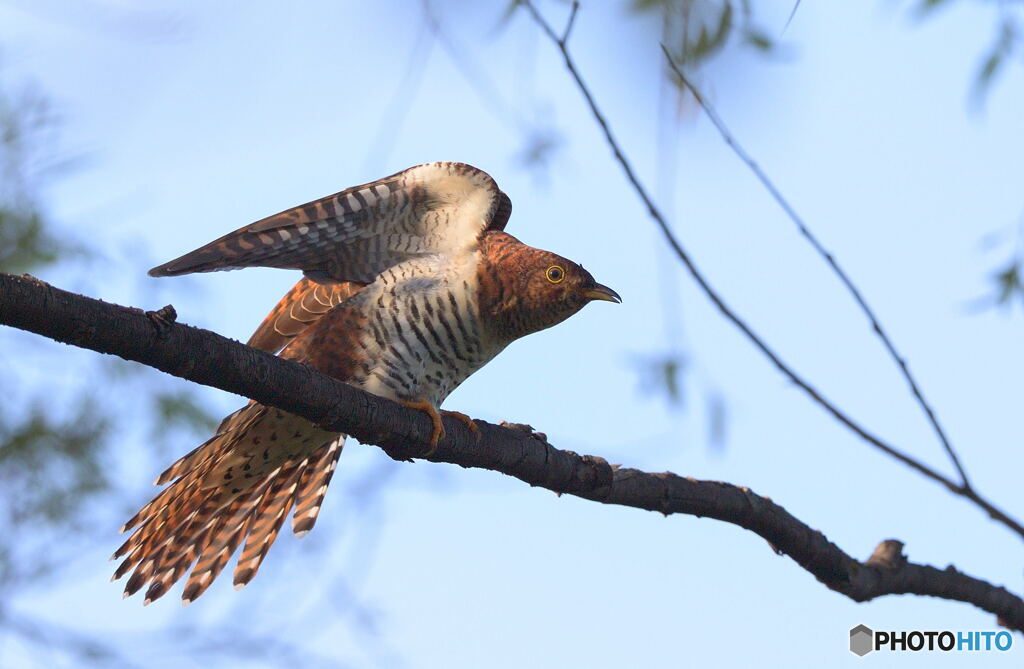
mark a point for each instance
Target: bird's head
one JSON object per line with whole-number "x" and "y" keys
{"x": 525, "y": 290}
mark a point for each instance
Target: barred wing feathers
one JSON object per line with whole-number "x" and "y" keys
{"x": 302, "y": 306}
{"x": 354, "y": 235}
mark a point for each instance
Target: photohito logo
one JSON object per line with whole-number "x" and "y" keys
{"x": 863, "y": 640}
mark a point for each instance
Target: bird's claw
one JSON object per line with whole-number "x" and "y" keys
{"x": 463, "y": 418}
{"x": 435, "y": 418}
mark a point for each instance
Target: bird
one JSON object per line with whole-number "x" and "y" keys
{"x": 410, "y": 285}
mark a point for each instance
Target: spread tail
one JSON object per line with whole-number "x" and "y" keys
{"x": 237, "y": 487}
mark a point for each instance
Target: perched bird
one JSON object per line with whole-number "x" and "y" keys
{"x": 410, "y": 286}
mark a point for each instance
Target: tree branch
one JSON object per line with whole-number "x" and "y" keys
{"x": 156, "y": 340}
{"x": 961, "y": 490}
{"x": 828, "y": 257}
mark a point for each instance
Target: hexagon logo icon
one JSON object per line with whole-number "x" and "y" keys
{"x": 862, "y": 640}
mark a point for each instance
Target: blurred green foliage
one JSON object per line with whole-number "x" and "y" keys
{"x": 36, "y": 445}
{"x": 1008, "y": 283}
{"x": 1005, "y": 48}
{"x": 58, "y": 477}
{"x": 24, "y": 241}
{"x": 179, "y": 409}
{"x": 697, "y": 30}
{"x": 50, "y": 460}
{"x": 1006, "y": 45}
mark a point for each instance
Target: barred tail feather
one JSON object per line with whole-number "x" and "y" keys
{"x": 198, "y": 522}
{"x": 266, "y": 523}
{"x": 219, "y": 545}
{"x": 207, "y": 450}
{"x": 160, "y": 517}
{"x": 160, "y": 550}
{"x": 313, "y": 487}
{"x": 180, "y": 555}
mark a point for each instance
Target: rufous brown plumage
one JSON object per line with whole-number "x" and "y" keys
{"x": 410, "y": 286}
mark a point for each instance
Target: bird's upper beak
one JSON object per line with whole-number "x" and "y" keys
{"x": 599, "y": 292}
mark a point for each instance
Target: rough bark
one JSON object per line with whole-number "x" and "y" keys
{"x": 156, "y": 340}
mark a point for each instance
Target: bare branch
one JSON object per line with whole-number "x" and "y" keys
{"x": 489, "y": 95}
{"x": 205, "y": 357}
{"x": 964, "y": 491}
{"x": 571, "y": 22}
{"x": 844, "y": 278}
{"x": 792, "y": 13}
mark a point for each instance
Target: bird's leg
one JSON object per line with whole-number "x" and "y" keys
{"x": 463, "y": 418}
{"x": 435, "y": 418}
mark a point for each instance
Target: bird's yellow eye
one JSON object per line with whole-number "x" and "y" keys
{"x": 555, "y": 274}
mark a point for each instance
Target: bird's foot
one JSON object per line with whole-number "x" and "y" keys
{"x": 463, "y": 418}
{"x": 435, "y": 418}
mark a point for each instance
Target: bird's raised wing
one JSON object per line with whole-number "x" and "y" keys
{"x": 354, "y": 235}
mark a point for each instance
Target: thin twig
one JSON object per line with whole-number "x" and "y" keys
{"x": 204, "y": 357}
{"x": 490, "y": 96}
{"x": 571, "y": 22}
{"x": 796, "y": 6}
{"x": 918, "y": 466}
{"x": 829, "y": 258}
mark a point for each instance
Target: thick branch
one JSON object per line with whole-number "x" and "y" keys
{"x": 154, "y": 339}
{"x": 961, "y": 490}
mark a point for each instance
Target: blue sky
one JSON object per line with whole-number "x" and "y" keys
{"x": 194, "y": 119}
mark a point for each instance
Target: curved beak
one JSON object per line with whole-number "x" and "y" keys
{"x": 599, "y": 292}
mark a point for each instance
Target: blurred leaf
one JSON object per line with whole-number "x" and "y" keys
{"x": 48, "y": 465}
{"x": 1005, "y": 44}
{"x": 23, "y": 243}
{"x": 539, "y": 148}
{"x": 25, "y": 155}
{"x": 648, "y": 5}
{"x": 717, "y": 420}
{"x": 663, "y": 376}
{"x": 697, "y": 30}
{"x": 1002, "y": 49}
{"x": 709, "y": 41}
{"x": 929, "y": 5}
{"x": 989, "y": 68}
{"x": 759, "y": 40}
{"x": 52, "y": 454}
{"x": 508, "y": 13}
{"x": 1008, "y": 283}
{"x": 181, "y": 409}
{"x": 670, "y": 377}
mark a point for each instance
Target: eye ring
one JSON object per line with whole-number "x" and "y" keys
{"x": 555, "y": 274}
